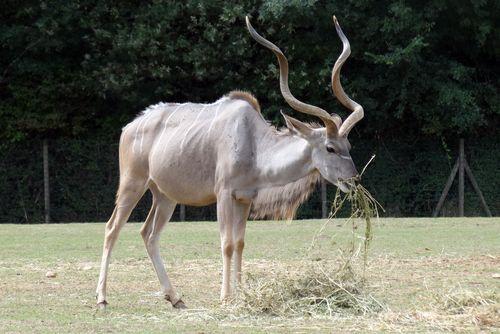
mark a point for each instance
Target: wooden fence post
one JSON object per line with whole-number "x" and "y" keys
{"x": 182, "y": 213}
{"x": 461, "y": 166}
{"x": 461, "y": 185}
{"x": 46, "y": 184}
{"x": 324, "y": 204}
{"x": 473, "y": 181}
{"x": 446, "y": 189}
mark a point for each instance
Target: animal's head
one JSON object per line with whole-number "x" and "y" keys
{"x": 330, "y": 147}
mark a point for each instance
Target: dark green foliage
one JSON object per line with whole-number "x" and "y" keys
{"x": 77, "y": 71}
{"x": 406, "y": 177}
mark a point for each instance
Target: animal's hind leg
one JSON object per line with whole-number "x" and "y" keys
{"x": 160, "y": 214}
{"x": 130, "y": 191}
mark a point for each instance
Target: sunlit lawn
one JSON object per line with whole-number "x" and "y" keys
{"x": 413, "y": 263}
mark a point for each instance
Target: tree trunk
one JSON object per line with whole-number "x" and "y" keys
{"x": 46, "y": 184}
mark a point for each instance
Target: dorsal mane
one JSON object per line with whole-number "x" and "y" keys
{"x": 245, "y": 96}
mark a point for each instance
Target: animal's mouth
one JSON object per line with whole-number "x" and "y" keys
{"x": 347, "y": 185}
{"x": 342, "y": 186}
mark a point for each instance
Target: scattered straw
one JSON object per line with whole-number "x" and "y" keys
{"x": 478, "y": 307}
{"x": 309, "y": 288}
{"x": 459, "y": 300}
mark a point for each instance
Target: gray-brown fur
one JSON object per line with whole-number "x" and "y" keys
{"x": 282, "y": 202}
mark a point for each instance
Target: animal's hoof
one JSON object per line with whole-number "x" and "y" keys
{"x": 225, "y": 298}
{"x": 102, "y": 305}
{"x": 180, "y": 305}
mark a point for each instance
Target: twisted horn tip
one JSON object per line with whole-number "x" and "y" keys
{"x": 336, "y": 22}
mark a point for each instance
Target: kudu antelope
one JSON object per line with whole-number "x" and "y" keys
{"x": 226, "y": 152}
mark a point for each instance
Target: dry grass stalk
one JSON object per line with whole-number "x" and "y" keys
{"x": 463, "y": 307}
{"x": 459, "y": 301}
{"x": 364, "y": 207}
{"x": 310, "y": 288}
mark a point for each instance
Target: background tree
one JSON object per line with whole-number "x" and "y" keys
{"x": 77, "y": 71}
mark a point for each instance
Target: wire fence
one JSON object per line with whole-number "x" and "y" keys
{"x": 406, "y": 177}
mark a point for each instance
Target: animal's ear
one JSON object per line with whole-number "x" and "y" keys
{"x": 297, "y": 127}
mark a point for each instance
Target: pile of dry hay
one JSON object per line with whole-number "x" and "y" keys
{"x": 460, "y": 301}
{"x": 317, "y": 288}
{"x": 309, "y": 288}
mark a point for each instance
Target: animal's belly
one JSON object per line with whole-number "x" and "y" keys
{"x": 187, "y": 181}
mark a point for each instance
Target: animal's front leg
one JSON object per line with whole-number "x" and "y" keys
{"x": 224, "y": 216}
{"x": 230, "y": 214}
{"x": 239, "y": 244}
{"x": 227, "y": 253}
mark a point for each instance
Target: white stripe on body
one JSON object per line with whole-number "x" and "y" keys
{"x": 192, "y": 125}
{"x": 136, "y": 133}
{"x": 122, "y": 136}
{"x": 146, "y": 119}
{"x": 170, "y": 138}
{"x": 148, "y": 113}
{"x": 216, "y": 113}
{"x": 172, "y": 114}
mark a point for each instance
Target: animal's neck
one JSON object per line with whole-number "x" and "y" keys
{"x": 287, "y": 177}
{"x": 284, "y": 159}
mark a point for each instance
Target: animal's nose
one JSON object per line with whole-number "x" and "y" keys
{"x": 355, "y": 176}
{"x": 355, "y": 173}
{"x": 350, "y": 182}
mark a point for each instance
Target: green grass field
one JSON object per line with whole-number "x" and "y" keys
{"x": 421, "y": 269}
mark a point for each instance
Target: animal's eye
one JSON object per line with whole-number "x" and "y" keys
{"x": 330, "y": 149}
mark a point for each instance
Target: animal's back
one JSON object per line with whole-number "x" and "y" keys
{"x": 178, "y": 146}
